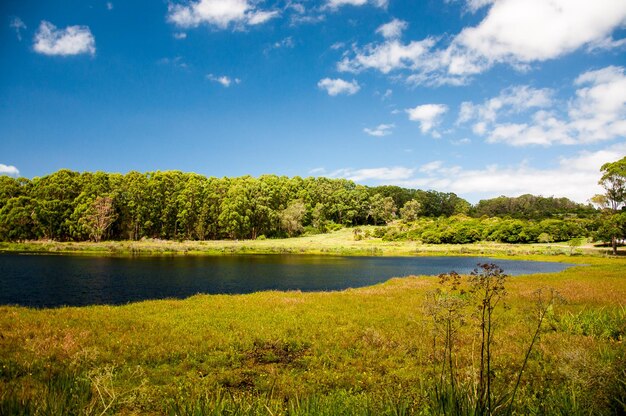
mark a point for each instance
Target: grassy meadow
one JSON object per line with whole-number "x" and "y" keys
{"x": 374, "y": 350}
{"x": 340, "y": 242}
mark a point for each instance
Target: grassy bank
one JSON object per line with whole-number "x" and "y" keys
{"x": 362, "y": 351}
{"x": 341, "y": 242}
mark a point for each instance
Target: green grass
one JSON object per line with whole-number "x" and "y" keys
{"x": 358, "y": 351}
{"x": 341, "y": 242}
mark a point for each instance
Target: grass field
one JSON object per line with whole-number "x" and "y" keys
{"x": 341, "y": 242}
{"x": 359, "y": 351}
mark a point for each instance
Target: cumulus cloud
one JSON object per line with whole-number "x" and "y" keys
{"x": 18, "y": 25}
{"x": 511, "y": 100}
{"x": 393, "y": 29}
{"x": 224, "y": 80}
{"x": 388, "y": 56}
{"x": 597, "y": 112}
{"x": 180, "y": 35}
{"x": 513, "y": 32}
{"x": 428, "y": 115}
{"x": 218, "y": 13}
{"x": 573, "y": 177}
{"x": 338, "y": 86}
{"x": 380, "y": 130}
{"x": 544, "y": 129}
{"x": 9, "y": 170}
{"x": 537, "y": 30}
{"x": 73, "y": 40}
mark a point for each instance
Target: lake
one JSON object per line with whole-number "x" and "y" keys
{"x": 57, "y": 280}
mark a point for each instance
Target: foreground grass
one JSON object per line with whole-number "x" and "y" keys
{"x": 341, "y": 242}
{"x": 362, "y": 351}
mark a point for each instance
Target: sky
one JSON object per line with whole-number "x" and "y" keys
{"x": 477, "y": 97}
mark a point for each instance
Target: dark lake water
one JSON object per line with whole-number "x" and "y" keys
{"x": 56, "y": 280}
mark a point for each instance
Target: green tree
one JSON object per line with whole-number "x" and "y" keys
{"x": 411, "y": 210}
{"x": 613, "y": 181}
{"x": 382, "y": 209}
{"x": 99, "y": 216}
{"x": 292, "y": 217}
{"x": 18, "y": 219}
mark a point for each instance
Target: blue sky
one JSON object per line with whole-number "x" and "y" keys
{"x": 477, "y": 97}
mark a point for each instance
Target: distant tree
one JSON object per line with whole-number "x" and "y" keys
{"x": 545, "y": 238}
{"x": 292, "y": 218}
{"x": 530, "y": 207}
{"x": 382, "y": 209}
{"x": 411, "y": 210}
{"x": 437, "y": 204}
{"x": 319, "y": 218}
{"x": 400, "y": 195}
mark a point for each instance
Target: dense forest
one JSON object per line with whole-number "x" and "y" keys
{"x": 73, "y": 206}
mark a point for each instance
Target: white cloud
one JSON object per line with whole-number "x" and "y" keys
{"x": 224, "y": 80}
{"x": 18, "y": 25}
{"x": 544, "y": 129}
{"x": 573, "y": 177}
{"x": 380, "y": 130}
{"x": 387, "y": 94}
{"x": 475, "y": 5}
{"x": 180, "y": 35}
{"x": 606, "y": 44}
{"x": 297, "y": 7}
{"x": 513, "y": 32}
{"x": 9, "y": 170}
{"x": 335, "y": 4}
{"x": 286, "y": 43}
{"x": 597, "y": 112}
{"x": 219, "y": 13}
{"x": 537, "y": 30}
{"x": 431, "y": 166}
{"x": 73, "y": 40}
{"x": 338, "y": 86}
{"x": 393, "y": 29}
{"x": 109, "y": 5}
{"x": 388, "y": 56}
{"x": 511, "y": 100}
{"x": 260, "y": 17}
{"x": 378, "y": 174}
{"x": 428, "y": 115}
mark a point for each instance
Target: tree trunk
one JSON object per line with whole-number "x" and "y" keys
{"x": 614, "y": 245}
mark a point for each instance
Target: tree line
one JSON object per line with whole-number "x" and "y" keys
{"x": 461, "y": 229}
{"x": 75, "y": 206}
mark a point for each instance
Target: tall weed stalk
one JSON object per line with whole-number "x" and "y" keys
{"x": 475, "y": 299}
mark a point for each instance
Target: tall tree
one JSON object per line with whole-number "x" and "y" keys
{"x": 613, "y": 181}
{"x": 292, "y": 217}
{"x": 99, "y": 217}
